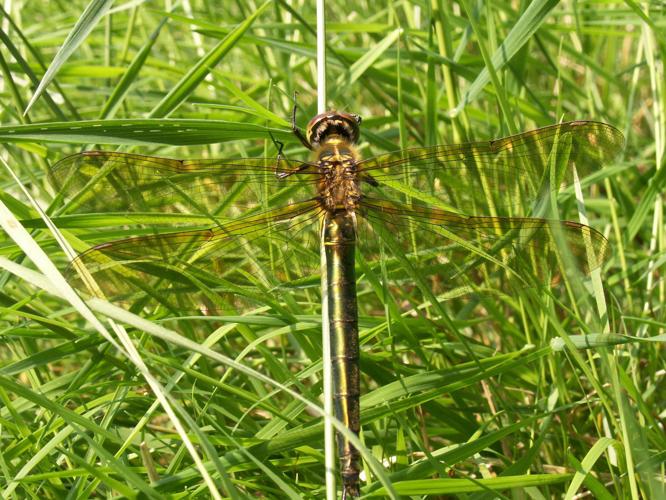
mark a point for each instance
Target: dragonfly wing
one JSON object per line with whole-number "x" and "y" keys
{"x": 462, "y": 250}
{"x": 209, "y": 269}
{"x": 505, "y": 174}
{"x": 106, "y": 181}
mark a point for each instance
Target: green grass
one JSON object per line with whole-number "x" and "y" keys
{"x": 519, "y": 392}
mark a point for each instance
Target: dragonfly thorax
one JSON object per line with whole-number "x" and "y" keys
{"x": 338, "y": 174}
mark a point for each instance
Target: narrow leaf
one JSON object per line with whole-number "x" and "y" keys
{"x": 123, "y": 86}
{"x": 199, "y": 71}
{"x": 586, "y": 465}
{"x": 181, "y": 132}
{"x": 522, "y": 32}
{"x": 88, "y": 20}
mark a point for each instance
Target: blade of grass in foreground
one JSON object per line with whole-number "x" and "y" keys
{"x": 459, "y": 486}
{"x": 125, "y": 345}
{"x": 86, "y": 23}
{"x": 521, "y": 33}
{"x": 174, "y": 132}
{"x": 183, "y": 89}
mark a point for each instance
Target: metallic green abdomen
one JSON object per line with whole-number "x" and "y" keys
{"x": 340, "y": 240}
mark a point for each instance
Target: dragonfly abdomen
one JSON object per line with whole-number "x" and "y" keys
{"x": 339, "y": 234}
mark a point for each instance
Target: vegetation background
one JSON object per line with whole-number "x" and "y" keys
{"x": 535, "y": 395}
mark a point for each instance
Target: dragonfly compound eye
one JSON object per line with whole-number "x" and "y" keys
{"x": 333, "y": 123}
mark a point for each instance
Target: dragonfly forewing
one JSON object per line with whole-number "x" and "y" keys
{"x": 106, "y": 181}
{"x": 504, "y": 175}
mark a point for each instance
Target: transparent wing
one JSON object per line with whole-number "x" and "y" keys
{"x": 462, "y": 253}
{"x": 245, "y": 246}
{"x": 504, "y": 174}
{"x": 105, "y": 181}
{"x": 205, "y": 270}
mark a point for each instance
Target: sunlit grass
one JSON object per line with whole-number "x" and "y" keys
{"x": 466, "y": 395}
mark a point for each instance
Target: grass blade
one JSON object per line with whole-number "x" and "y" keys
{"x": 186, "y": 86}
{"x": 86, "y": 23}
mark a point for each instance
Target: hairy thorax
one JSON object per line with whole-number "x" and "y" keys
{"x": 339, "y": 180}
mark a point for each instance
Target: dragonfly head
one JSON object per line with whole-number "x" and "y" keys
{"x": 333, "y": 123}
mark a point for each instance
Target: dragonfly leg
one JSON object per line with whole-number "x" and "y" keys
{"x": 296, "y": 130}
{"x": 279, "y": 145}
{"x": 370, "y": 180}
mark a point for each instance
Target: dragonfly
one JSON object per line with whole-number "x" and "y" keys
{"x": 206, "y": 234}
